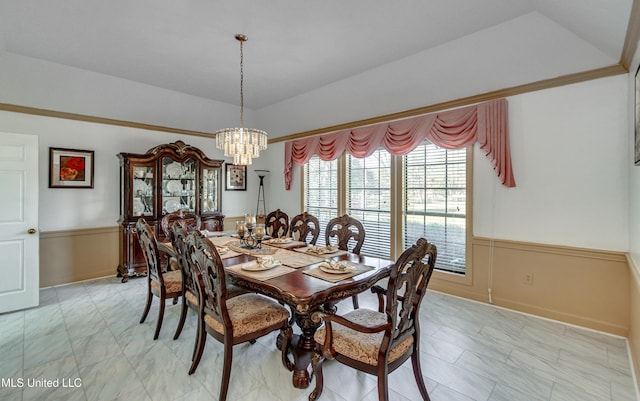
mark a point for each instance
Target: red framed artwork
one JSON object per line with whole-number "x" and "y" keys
{"x": 70, "y": 168}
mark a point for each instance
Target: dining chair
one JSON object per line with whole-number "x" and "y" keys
{"x": 277, "y": 224}
{"x": 190, "y": 276}
{"x": 213, "y": 223}
{"x": 187, "y": 220}
{"x": 378, "y": 342}
{"x": 302, "y": 226}
{"x": 231, "y": 321}
{"x": 159, "y": 284}
{"x": 345, "y": 228}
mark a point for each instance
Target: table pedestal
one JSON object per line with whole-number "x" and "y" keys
{"x": 301, "y": 347}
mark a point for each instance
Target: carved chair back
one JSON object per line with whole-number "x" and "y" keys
{"x": 149, "y": 245}
{"x": 179, "y": 242}
{"x": 215, "y": 223}
{"x": 277, "y": 224}
{"x": 187, "y": 220}
{"x": 205, "y": 258}
{"x": 302, "y": 226}
{"x": 406, "y": 288}
{"x": 345, "y": 228}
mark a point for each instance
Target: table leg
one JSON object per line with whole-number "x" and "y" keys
{"x": 300, "y": 347}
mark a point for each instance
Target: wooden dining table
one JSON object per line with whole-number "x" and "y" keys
{"x": 302, "y": 289}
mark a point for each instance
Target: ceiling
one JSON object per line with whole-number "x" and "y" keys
{"x": 297, "y": 46}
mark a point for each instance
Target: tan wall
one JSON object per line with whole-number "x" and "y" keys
{"x": 75, "y": 255}
{"x": 634, "y": 331}
{"x": 585, "y": 287}
{"x": 590, "y": 288}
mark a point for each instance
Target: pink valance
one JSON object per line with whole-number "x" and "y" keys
{"x": 485, "y": 123}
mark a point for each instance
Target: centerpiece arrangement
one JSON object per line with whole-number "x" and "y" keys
{"x": 250, "y": 234}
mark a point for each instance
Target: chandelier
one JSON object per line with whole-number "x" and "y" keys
{"x": 243, "y": 144}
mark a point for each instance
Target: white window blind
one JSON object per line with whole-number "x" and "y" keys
{"x": 369, "y": 200}
{"x": 321, "y": 192}
{"x": 435, "y": 202}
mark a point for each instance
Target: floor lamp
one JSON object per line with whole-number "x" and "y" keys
{"x": 261, "y": 210}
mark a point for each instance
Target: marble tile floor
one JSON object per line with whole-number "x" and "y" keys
{"x": 87, "y": 337}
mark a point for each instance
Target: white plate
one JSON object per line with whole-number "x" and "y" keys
{"x": 174, "y": 170}
{"x": 172, "y": 205}
{"x": 138, "y": 207}
{"x": 322, "y": 250}
{"x": 208, "y": 233}
{"x": 255, "y": 267}
{"x": 174, "y": 187}
{"x": 282, "y": 240}
{"x": 334, "y": 271}
{"x": 139, "y": 185}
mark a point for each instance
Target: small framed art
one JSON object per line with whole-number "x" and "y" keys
{"x": 70, "y": 168}
{"x": 235, "y": 178}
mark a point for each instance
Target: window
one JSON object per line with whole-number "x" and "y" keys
{"x": 369, "y": 200}
{"x": 433, "y": 205}
{"x": 321, "y": 191}
{"x": 435, "y": 202}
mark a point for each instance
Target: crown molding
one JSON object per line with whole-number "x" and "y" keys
{"x": 99, "y": 120}
{"x": 615, "y": 69}
{"x": 568, "y": 79}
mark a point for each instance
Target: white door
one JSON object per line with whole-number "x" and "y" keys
{"x": 19, "y": 238}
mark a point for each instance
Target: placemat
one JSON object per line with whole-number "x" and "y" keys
{"x": 237, "y": 246}
{"x": 309, "y": 250}
{"x": 229, "y": 254}
{"x": 294, "y": 259}
{"x": 168, "y": 246}
{"x": 334, "y": 278}
{"x": 261, "y": 275}
{"x": 220, "y": 241}
{"x": 285, "y": 245}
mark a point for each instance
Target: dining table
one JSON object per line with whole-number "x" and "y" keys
{"x": 301, "y": 279}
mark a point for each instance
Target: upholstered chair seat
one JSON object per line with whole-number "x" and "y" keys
{"x": 173, "y": 263}
{"x": 363, "y": 347}
{"x": 249, "y": 313}
{"x": 190, "y": 297}
{"x": 172, "y": 282}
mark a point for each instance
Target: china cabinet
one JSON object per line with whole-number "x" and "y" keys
{"x": 167, "y": 178}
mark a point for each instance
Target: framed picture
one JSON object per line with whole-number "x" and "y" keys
{"x": 235, "y": 178}
{"x": 70, "y": 168}
{"x": 637, "y": 120}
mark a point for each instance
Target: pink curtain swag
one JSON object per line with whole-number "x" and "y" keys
{"x": 484, "y": 123}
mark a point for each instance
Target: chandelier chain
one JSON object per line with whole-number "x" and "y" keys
{"x": 240, "y": 143}
{"x": 241, "y": 84}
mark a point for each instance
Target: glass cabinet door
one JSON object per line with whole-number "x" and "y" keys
{"x": 143, "y": 203}
{"x": 178, "y": 185}
{"x": 209, "y": 190}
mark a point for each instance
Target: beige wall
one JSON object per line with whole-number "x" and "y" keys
{"x": 585, "y": 287}
{"x": 75, "y": 255}
{"x": 634, "y": 330}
